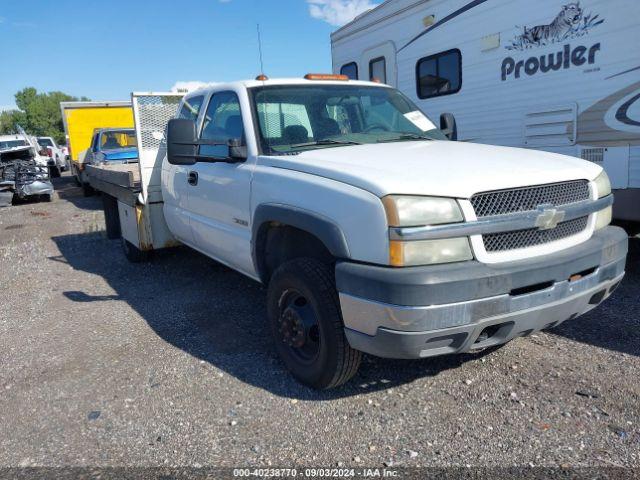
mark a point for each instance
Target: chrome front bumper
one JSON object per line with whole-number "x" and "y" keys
{"x": 487, "y": 307}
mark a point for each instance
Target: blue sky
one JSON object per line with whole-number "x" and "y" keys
{"x": 106, "y": 49}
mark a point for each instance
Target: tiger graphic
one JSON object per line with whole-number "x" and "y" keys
{"x": 571, "y": 21}
{"x": 570, "y": 16}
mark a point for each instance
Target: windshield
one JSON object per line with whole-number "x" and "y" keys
{"x": 299, "y": 117}
{"x": 12, "y": 144}
{"x": 114, "y": 139}
{"x": 45, "y": 142}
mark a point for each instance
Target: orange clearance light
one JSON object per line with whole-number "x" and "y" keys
{"x": 262, "y": 78}
{"x": 326, "y": 76}
{"x": 376, "y": 80}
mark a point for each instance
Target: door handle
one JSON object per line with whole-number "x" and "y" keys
{"x": 193, "y": 178}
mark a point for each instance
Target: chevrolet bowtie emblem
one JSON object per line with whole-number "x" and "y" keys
{"x": 549, "y": 218}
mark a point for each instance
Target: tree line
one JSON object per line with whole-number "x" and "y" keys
{"x": 38, "y": 113}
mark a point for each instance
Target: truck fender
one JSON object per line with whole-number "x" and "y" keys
{"x": 317, "y": 225}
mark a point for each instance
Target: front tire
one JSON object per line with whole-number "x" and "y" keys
{"x": 306, "y": 323}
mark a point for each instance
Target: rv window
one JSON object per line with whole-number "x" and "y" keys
{"x": 350, "y": 70}
{"x": 191, "y": 108}
{"x": 439, "y": 74}
{"x": 378, "y": 69}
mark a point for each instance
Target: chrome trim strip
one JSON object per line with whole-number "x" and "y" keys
{"x": 496, "y": 224}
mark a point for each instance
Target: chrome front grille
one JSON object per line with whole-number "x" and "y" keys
{"x": 500, "y": 242}
{"x": 529, "y": 198}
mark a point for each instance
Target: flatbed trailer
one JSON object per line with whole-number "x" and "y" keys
{"x": 131, "y": 193}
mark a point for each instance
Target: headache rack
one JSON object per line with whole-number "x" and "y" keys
{"x": 132, "y": 193}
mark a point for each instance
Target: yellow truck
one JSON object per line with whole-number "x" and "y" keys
{"x": 81, "y": 119}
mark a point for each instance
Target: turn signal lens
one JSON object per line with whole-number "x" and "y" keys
{"x": 604, "y": 218}
{"x": 429, "y": 252}
{"x": 603, "y": 185}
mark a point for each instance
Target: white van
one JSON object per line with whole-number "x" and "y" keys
{"x": 556, "y": 75}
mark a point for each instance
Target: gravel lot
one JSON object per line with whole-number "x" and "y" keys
{"x": 104, "y": 363}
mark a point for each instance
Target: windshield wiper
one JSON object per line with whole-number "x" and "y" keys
{"x": 324, "y": 142}
{"x": 406, "y": 136}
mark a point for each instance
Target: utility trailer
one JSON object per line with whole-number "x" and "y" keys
{"x": 131, "y": 193}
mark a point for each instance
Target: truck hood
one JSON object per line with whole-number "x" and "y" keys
{"x": 438, "y": 168}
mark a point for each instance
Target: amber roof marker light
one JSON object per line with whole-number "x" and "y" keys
{"x": 326, "y": 76}
{"x": 262, "y": 78}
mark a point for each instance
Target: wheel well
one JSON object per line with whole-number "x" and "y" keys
{"x": 277, "y": 243}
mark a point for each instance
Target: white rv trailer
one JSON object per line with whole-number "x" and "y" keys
{"x": 557, "y": 75}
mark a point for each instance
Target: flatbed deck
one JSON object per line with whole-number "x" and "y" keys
{"x": 121, "y": 181}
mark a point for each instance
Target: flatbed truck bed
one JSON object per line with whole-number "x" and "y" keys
{"x": 120, "y": 181}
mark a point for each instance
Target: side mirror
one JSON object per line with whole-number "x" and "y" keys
{"x": 449, "y": 126}
{"x": 182, "y": 143}
{"x": 237, "y": 149}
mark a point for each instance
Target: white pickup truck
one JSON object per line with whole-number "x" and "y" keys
{"x": 372, "y": 230}
{"x": 57, "y": 157}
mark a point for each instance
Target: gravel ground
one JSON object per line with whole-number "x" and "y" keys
{"x": 170, "y": 363}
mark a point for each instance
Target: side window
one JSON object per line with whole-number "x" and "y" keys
{"x": 439, "y": 74}
{"x": 378, "y": 69}
{"x": 223, "y": 122}
{"x": 350, "y": 70}
{"x": 191, "y": 107}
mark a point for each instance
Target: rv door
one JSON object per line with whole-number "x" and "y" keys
{"x": 379, "y": 63}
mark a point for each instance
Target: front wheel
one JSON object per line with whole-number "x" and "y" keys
{"x": 306, "y": 323}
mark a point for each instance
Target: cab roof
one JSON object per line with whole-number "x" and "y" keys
{"x": 245, "y": 84}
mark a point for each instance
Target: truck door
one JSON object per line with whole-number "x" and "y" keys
{"x": 219, "y": 190}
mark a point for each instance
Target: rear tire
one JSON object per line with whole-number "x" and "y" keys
{"x": 133, "y": 253}
{"x": 318, "y": 356}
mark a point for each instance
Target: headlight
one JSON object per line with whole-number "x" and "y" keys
{"x": 428, "y": 252}
{"x": 604, "y": 218}
{"x": 603, "y": 185}
{"x": 409, "y": 211}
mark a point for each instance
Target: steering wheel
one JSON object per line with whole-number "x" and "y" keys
{"x": 376, "y": 126}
